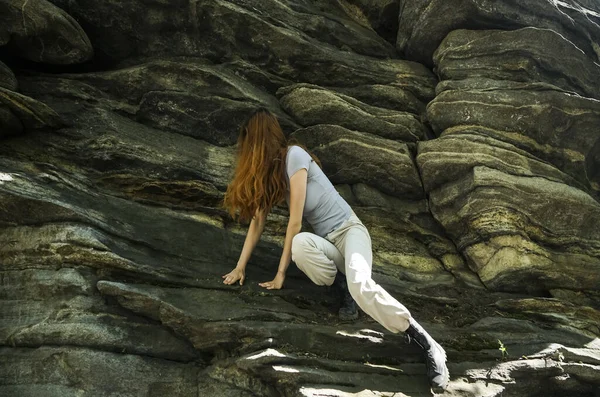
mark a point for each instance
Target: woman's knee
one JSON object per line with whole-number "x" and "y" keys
{"x": 300, "y": 246}
{"x": 357, "y": 281}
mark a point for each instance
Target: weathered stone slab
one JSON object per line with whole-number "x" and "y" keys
{"x": 22, "y": 113}
{"x": 424, "y": 24}
{"x": 311, "y": 105}
{"x": 354, "y": 157}
{"x": 522, "y": 233}
{"x": 68, "y": 371}
{"x": 7, "y": 78}
{"x": 528, "y": 55}
{"x": 41, "y": 32}
{"x": 554, "y": 126}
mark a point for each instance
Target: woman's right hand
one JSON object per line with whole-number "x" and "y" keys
{"x": 234, "y": 275}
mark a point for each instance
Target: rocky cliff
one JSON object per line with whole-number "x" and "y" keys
{"x": 464, "y": 133}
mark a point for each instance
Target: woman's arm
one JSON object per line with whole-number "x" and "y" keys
{"x": 255, "y": 230}
{"x": 298, "y": 183}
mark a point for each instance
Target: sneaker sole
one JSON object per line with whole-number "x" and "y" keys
{"x": 441, "y": 389}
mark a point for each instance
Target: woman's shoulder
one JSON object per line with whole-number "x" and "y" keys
{"x": 295, "y": 151}
{"x": 297, "y": 157}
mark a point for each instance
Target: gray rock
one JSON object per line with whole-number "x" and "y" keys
{"x": 527, "y": 55}
{"x": 70, "y": 323}
{"x": 68, "y": 371}
{"x": 41, "y": 32}
{"x": 407, "y": 242}
{"x": 576, "y": 297}
{"x": 190, "y": 98}
{"x": 104, "y": 242}
{"x": 19, "y": 113}
{"x": 503, "y": 227}
{"x": 268, "y": 364}
{"x": 10, "y": 123}
{"x": 313, "y": 105}
{"x": 585, "y": 319}
{"x": 461, "y": 148}
{"x": 216, "y": 28}
{"x": 212, "y": 30}
{"x": 7, "y": 78}
{"x": 61, "y": 307}
{"x": 37, "y": 284}
{"x": 555, "y": 126}
{"x": 354, "y": 157}
{"x": 113, "y": 239}
{"x": 386, "y": 96}
{"x": 246, "y": 322}
{"x": 382, "y": 16}
{"x": 424, "y": 24}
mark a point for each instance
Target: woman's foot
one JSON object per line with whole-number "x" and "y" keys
{"x": 348, "y": 310}
{"x": 435, "y": 355}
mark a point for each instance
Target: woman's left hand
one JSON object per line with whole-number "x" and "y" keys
{"x": 276, "y": 283}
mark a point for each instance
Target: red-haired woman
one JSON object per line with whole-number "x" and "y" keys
{"x": 269, "y": 171}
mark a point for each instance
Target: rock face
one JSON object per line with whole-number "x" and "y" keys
{"x": 464, "y": 133}
{"x": 424, "y": 24}
{"x": 39, "y": 31}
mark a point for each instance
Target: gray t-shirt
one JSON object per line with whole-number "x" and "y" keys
{"x": 324, "y": 208}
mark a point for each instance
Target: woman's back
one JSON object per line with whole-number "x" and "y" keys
{"x": 324, "y": 208}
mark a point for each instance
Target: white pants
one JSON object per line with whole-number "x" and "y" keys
{"x": 348, "y": 249}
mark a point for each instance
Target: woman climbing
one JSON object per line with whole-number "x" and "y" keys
{"x": 268, "y": 171}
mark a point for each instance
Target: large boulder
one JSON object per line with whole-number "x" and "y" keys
{"x": 196, "y": 99}
{"x": 556, "y": 126}
{"x": 311, "y": 105}
{"x": 352, "y": 157}
{"x": 425, "y": 23}
{"x": 39, "y": 31}
{"x": 221, "y": 29}
{"x": 527, "y": 55}
{"x": 515, "y": 218}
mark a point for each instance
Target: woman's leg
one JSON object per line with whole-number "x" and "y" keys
{"x": 353, "y": 240}
{"x": 317, "y": 258}
{"x": 320, "y": 260}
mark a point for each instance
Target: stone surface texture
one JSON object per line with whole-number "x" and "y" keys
{"x": 464, "y": 133}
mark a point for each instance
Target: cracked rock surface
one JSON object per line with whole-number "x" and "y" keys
{"x": 464, "y": 134}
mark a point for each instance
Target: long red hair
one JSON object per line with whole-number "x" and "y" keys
{"x": 259, "y": 180}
